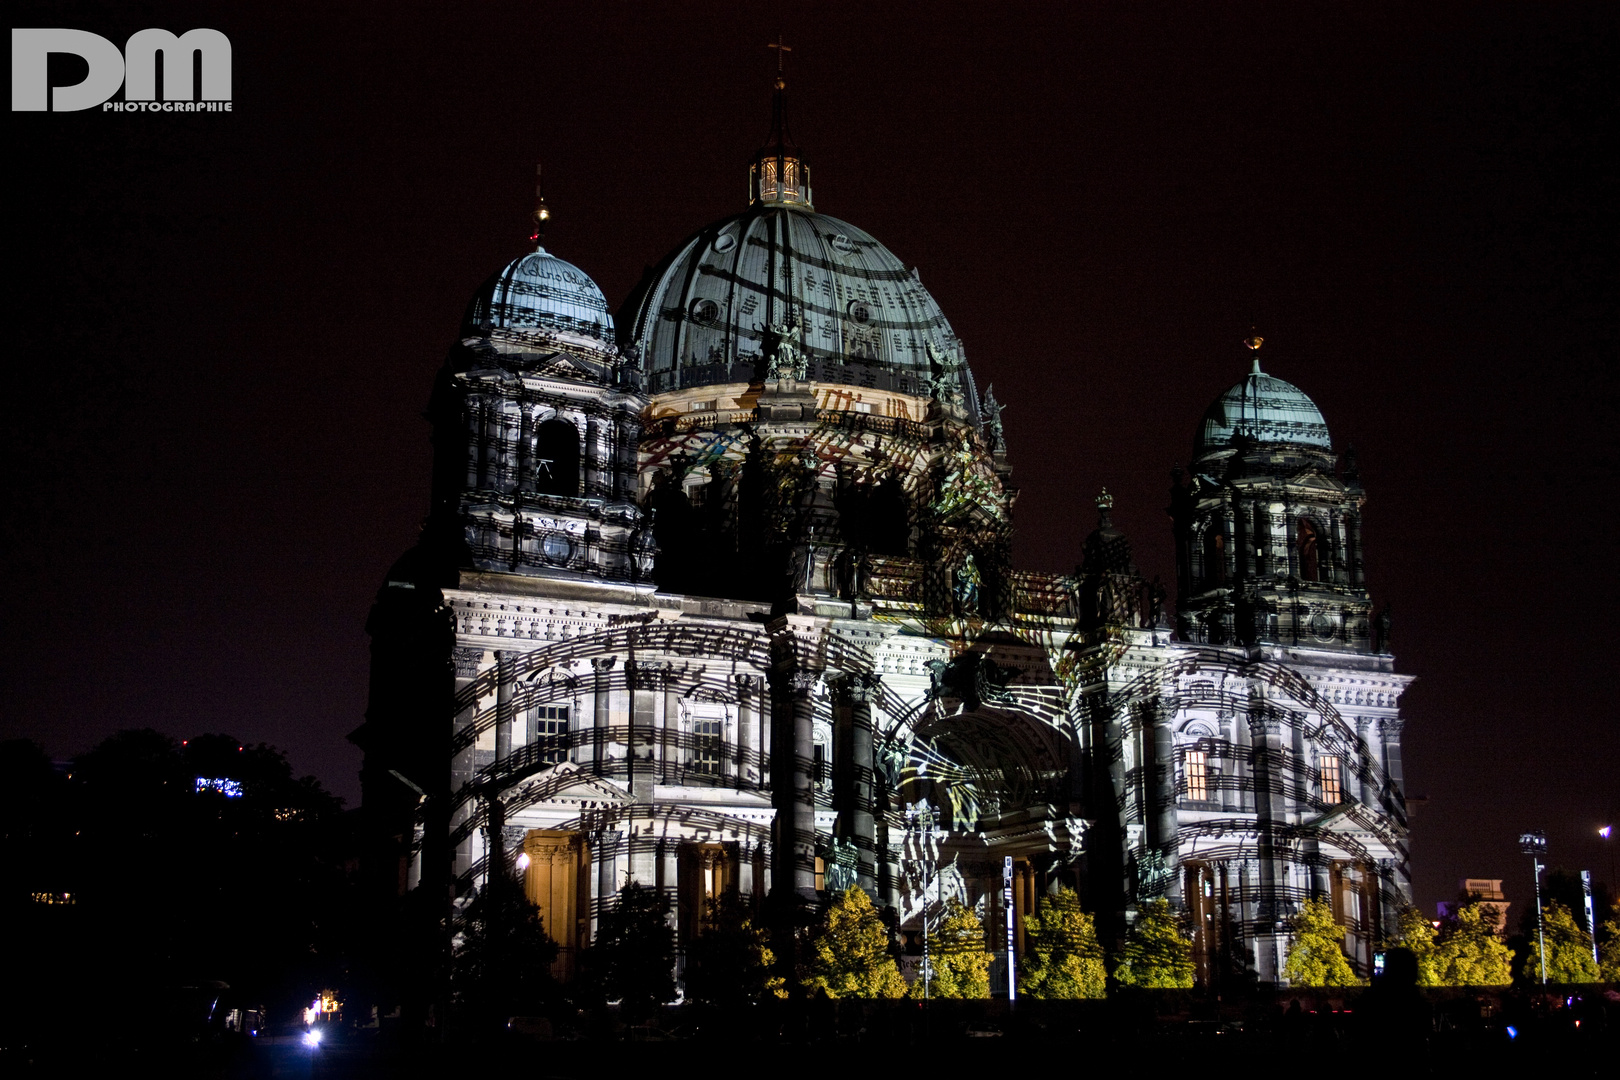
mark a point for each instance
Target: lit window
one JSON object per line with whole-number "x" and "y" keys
{"x": 1332, "y": 784}
{"x": 551, "y": 732}
{"x": 1196, "y": 766}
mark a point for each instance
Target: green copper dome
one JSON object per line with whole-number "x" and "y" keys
{"x": 863, "y": 318}
{"x": 539, "y": 293}
{"x": 1265, "y": 409}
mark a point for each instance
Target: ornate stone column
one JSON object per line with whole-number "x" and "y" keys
{"x": 1265, "y": 735}
{"x": 600, "y": 713}
{"x": 747, "y": 736}
{"x": 466, "y": 661}
{"x": 853, "y": 776}
{"x": 525, "y": 455}
{"x": 503, "y": 707}
{"x": 472, "y": 419}
{"x": 797, "y": 644}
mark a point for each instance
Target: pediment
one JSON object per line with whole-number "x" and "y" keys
{"x": 565, "y": 783}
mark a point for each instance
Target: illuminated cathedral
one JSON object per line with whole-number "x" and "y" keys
{"x": 715, "y": 595}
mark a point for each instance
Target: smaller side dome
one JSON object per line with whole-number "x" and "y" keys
{"x": 1265, "y": 409}
{"x": 540, "y": 293}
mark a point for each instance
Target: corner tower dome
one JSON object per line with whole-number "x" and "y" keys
{"x": 1262, "y": 408}
{"x": 541, "y": 293}
{"x": 707, "y": 313}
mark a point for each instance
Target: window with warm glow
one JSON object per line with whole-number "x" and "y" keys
{"x": 1196, "y": 766}
{"x": 1332, "y": 784}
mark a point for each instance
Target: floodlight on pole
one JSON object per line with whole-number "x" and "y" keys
{"x": 920, "y": 823}
{"x": 1534, "y": 844}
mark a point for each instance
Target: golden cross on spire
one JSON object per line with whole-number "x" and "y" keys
{"x": 781, "y": 51}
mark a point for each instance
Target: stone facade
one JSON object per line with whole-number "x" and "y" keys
{"x": 732, "y": 610}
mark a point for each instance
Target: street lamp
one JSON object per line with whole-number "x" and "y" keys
{"x": 1534, "y": 844}
{"x": 920, "y": 824}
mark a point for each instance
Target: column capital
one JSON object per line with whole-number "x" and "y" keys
{"x": 856, "y": 687}
{"x": 466, "y": 660}
{"x": 1264, "y": 724}
{"x": 801, "y": 684}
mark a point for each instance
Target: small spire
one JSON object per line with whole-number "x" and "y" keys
{"x": 542, "y": 214}
{"x": 778, "y": 173}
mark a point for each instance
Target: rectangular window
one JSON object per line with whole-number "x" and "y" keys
{"x": 551, "y": 733}
{"x": 1332, "y": 784}
{"x": 1196, "y": 764}
{"x": 818, "y": 766}
{"x": 707, "y": 735}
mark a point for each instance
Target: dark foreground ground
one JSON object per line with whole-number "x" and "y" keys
{"x": 1441, "y": 1033}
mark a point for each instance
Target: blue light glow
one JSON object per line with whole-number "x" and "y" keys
{"x": 231, "y": 789}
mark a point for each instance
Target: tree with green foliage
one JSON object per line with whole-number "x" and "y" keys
{"x": 1418, "y": 937}
{"x": 1316, "y": 956}
{"x": 1569, "y": 949}
{"x": 848, "y": 954}
{"x": 632, "y": 960}
{"x": 959, "y": 960}
{"x": 730, "y": 961}
{"x": 1062, "y": 959}
{"x": 1609, "y": 951}
{"x": 503, "y": 957}
{"x": 1470, "y": 950}
{"x": 1157, "y": 954}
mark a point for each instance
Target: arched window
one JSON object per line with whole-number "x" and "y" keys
{"x": 556, "y": 458}
{"x": 1306, "y": 540}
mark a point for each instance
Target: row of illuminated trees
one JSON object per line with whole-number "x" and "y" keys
{"x": 849, "y": 952}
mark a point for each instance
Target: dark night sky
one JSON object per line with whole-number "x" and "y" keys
{"x": 225, "y": 327}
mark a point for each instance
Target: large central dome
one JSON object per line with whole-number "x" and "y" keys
{"x": 864, "y": 319}
{"x": 780, "y": 271}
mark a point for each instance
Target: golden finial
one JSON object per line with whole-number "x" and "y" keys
{"x": 1254, "y": 341}
{"x": 542, "y": 213}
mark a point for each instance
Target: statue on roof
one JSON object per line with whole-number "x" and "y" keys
{"x": 946, "y": 382}
{"x": 990, "y": 415}
{"x": 783, "y": 356}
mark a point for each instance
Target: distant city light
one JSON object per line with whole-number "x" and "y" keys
{"x": 231, "y": 789}
{"x": 1605, "y": 831}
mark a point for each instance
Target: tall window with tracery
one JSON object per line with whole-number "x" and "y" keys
{"x": 1332, "y": 780}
